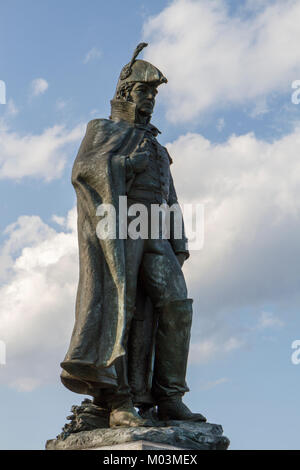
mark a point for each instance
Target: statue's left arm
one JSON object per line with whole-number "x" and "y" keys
{"x": 179, "y": 245}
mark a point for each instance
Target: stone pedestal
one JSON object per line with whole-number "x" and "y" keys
{"x": 175, "y": 435}
{"x": 138, "y": 445}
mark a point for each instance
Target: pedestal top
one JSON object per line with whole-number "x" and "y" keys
{"x": 175, "y": 435}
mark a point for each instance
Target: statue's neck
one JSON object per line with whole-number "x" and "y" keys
{"x": 142, "y": 118}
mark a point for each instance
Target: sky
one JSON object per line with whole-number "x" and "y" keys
{"x": 230, "y": 120}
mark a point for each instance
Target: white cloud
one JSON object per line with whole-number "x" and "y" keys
{"x": 269, "y": 320}
{"x": 92, "y": 54}
{"x": 58, "y": 220}
{"x": 26, "y": 384}
{"x": 250, "y": 190}
{"x": 37, "y": 299}
{"x": 39, "y": 86}
{"x": 43, "y": 155}
{"x": 215, "y": 345}
{"x": 11, "y": 109}
{"x": 203, "y": 351}
{"x": 250, "y": 259}
{"x": 213, "y": 59}
{"x": 260, "y": 107}
{"x": 212, "y": 384}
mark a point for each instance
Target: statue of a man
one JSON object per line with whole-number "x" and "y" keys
{"x": 130, "y": 342}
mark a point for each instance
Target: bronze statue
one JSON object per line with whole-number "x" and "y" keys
{"x": 130, "y": 342}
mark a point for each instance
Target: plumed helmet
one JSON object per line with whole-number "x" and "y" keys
{"x": 139, "y": 71}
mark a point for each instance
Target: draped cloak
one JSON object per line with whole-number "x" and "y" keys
{"x": 99, "y": 177}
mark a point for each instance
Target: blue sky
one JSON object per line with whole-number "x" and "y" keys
{"x": 227, "y": 118}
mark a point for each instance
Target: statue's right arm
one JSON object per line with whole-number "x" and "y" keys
{"x": 137, "y": 162}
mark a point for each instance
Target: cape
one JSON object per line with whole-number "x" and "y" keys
{"x": 98, "y": 177}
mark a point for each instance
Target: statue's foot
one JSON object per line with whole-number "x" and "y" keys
{"x": 175, "y": 409}
{"x": 125, "y": 415}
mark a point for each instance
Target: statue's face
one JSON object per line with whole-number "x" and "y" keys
{"x": 143, "y": 95}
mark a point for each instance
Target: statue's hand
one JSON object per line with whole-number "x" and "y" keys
{"x": 139, "y": 161}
